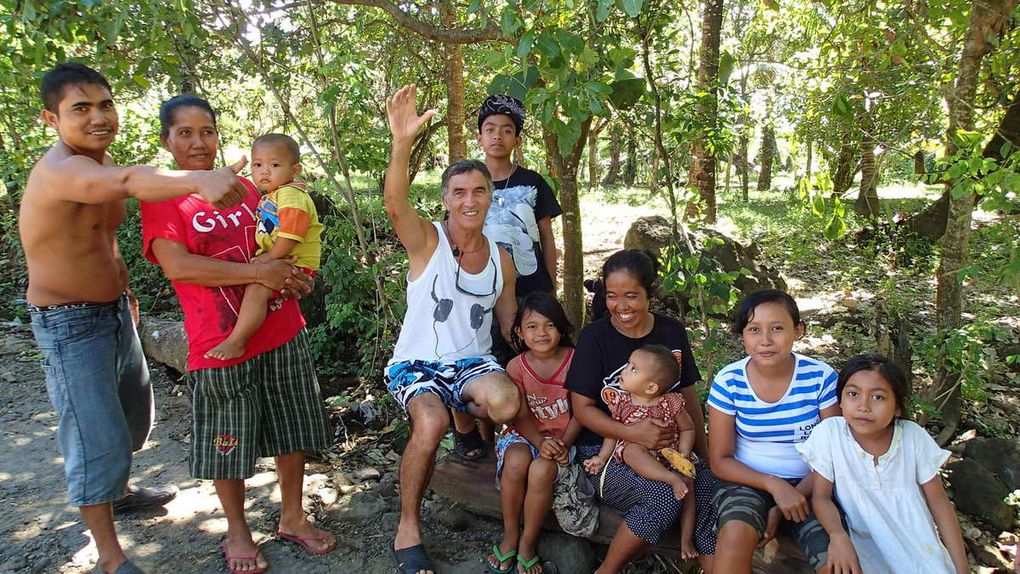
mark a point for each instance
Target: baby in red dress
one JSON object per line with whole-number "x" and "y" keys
{"x": 650, "y": 373}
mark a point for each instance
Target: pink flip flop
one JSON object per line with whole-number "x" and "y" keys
{"x": 303, "y": 541}
{"x": 254, "y": 557}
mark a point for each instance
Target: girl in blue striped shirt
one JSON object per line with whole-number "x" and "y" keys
{"x": 760, "y": 408}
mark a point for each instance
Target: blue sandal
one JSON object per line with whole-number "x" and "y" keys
{"x": 413, "y": 559}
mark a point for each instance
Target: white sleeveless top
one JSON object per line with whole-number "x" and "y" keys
{"x": 444, "y": 323}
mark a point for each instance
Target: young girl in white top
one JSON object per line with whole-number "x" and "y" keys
{"x": 885, "y": 470}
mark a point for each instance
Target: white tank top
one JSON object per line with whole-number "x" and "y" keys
{"x": 446, "y": 323}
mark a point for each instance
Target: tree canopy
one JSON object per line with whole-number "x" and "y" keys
{"x": 819, "y": 100}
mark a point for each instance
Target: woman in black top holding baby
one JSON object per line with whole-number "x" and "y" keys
{"x": 649, "y": 507}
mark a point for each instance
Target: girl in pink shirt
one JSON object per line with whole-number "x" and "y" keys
{"x": 539, "y": 441}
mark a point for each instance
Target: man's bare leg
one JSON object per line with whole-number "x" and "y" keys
{"x": 487, "y": 430}
{"x": 249, "y": 319}
{"x": 239, "y": 540}
{"x": 99, "y": 519}
{"x": 492, "y": 396}
{"x": 290, "y": 470}
{"x": 641, "y": 460}
{"x": 429, "y": 422}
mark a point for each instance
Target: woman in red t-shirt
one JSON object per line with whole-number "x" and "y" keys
{"x": 266, "y": 402}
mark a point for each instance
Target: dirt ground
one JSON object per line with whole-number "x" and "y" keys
{"x": 40, "y": 533}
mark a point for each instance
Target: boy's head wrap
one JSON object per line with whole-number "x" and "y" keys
{"x": 505, "y": 105}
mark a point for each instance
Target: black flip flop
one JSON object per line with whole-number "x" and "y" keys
{"x": 140, "y": 498}
{"x": 465, "y": 442}
{"x": 413, "y": 559}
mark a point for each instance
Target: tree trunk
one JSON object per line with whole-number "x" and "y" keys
{"x": 613, "y": 174}
{"x": 6, "y": 195}
{"x": 726, "y": 180}
{"x": 630, "y": 168}
{"x": 810, "y": 158}
{"x": 653, "y": 173}
{"x": 453, "y": 75}
{"x": 593, "y": 159}
{"x": 701, "y": 175}
{"x": 866, "y": 204}
{"x": 573, "y": 251}
{"x": 919, "y": 168}
{"x": 987, "y": 19}
{"x": 661, "y": 155}
{"x": 767, "y": 157}
{"x": 846, "y": 168}
{"x": 744, "y": 168}
{"x": 930, "y": 222}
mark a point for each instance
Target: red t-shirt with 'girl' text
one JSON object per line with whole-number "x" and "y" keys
{"x": 210, "y": 312}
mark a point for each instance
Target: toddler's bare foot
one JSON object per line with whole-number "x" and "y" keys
{"x": 225, "y": 351}
{"x": 687, "y": 551}
{"x": 679, "y": 488}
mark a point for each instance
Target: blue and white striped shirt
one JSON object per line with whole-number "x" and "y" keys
{"x": 767, "y": 432}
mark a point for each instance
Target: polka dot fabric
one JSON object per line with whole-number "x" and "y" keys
{"x": 649, "y": 507}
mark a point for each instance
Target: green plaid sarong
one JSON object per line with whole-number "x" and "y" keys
{"x": 266, "y": 406}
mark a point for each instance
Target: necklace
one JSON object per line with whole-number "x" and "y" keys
{"x": 506, "y": 182}
{"x": 457, "y": 251}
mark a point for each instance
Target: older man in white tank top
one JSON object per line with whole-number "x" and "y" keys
{"x": 456, "y": 287}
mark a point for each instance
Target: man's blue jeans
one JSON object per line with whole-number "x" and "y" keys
{"x": 98, "y": 383}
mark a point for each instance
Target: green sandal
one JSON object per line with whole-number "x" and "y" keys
{"x": 527, "y": 564}
{"x": 510, "y": 554}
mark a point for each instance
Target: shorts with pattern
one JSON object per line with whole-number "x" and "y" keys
{"x": 408, "y": 379}
{"x": 649, "y": 507}
{"x": 266, "y": 406}
{"x": 510, "y": 438}
{"x": 751, "y": 506}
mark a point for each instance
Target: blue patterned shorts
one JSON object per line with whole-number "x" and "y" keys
{"x": 408, "y": 379}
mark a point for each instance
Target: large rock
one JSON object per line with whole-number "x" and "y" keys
{"x": 720, "y": 253}
{"x": 978, "y": 493}
{"x": 734, "y": 256}
{"x": 998, "y": 455}
{"x": 455, "y": 519}
{"x": 651, "y": 233}
{"x": 472, "y": 486}
{"x": 358, "y": 507}
{"x": 570, "y": 554}
{"x": 165, "y": 341}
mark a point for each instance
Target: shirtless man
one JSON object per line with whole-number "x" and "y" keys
{"x": 95, "y": 371}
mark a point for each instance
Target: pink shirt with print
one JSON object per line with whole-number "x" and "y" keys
{"x": 547, "y": 399}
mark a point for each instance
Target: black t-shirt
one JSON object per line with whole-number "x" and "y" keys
{"x": 518, "y": 203}
{"x": 602, "y": 353}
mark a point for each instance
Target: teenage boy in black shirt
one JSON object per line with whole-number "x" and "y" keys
{"x": 519, "y": 220}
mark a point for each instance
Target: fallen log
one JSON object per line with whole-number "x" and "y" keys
{"x": 472, "y": 486}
